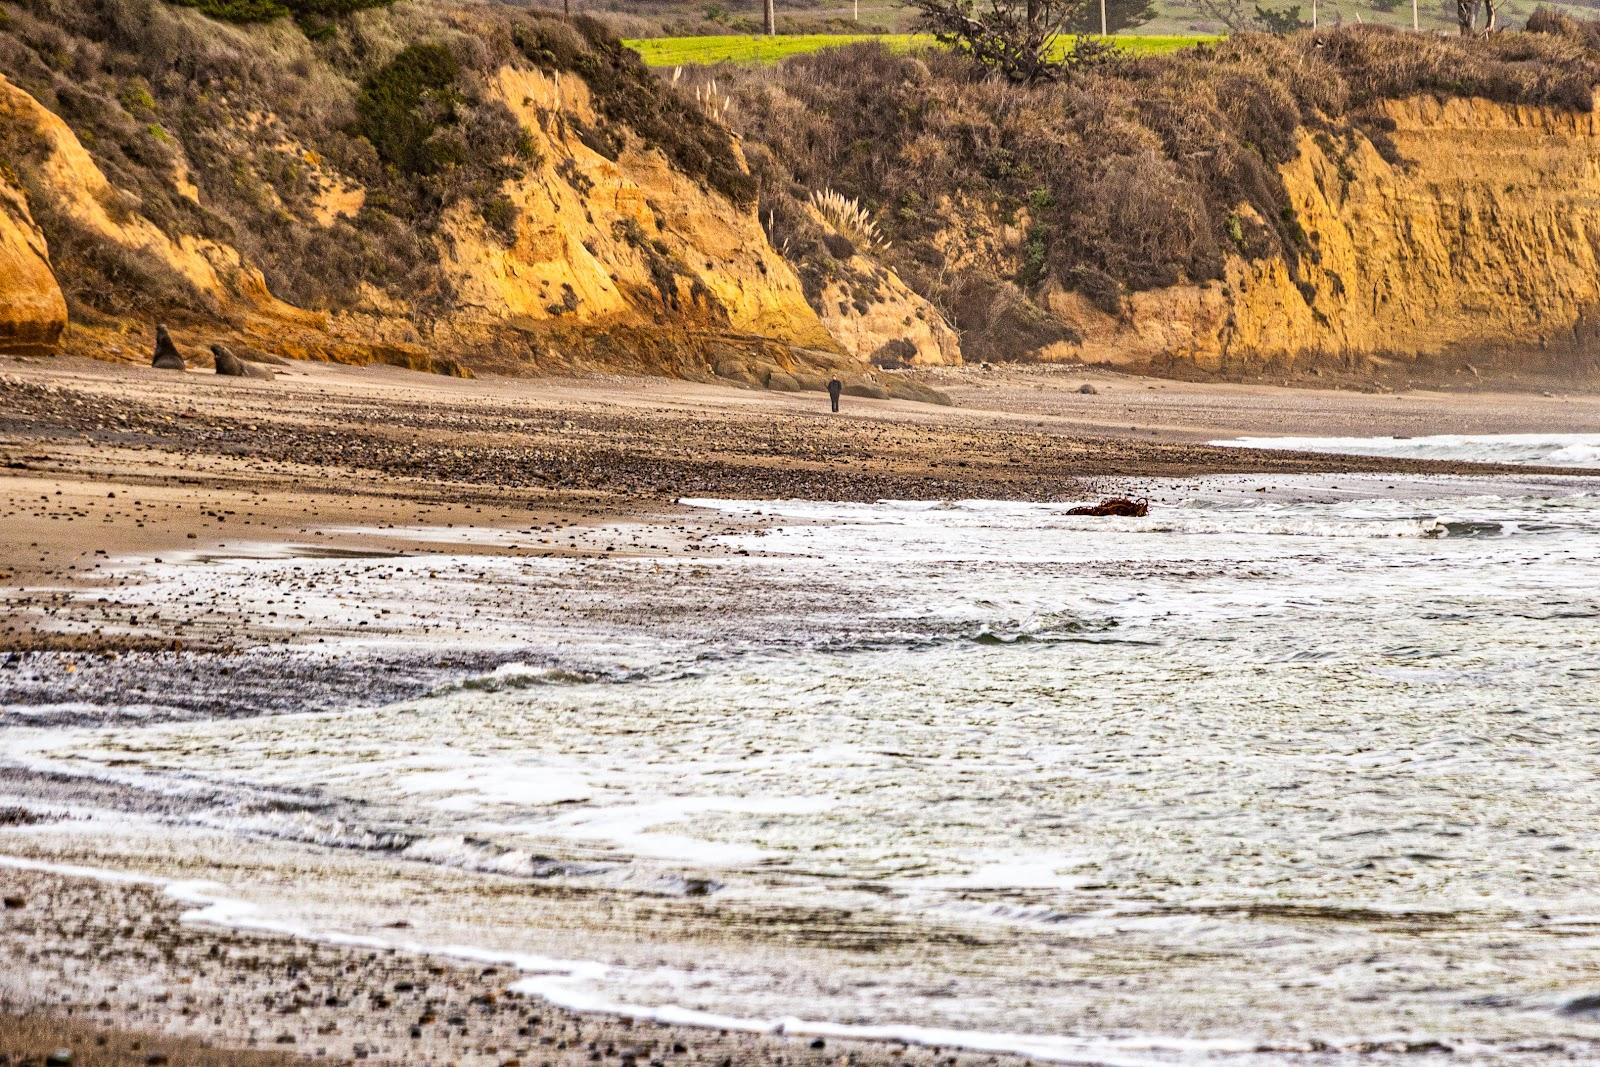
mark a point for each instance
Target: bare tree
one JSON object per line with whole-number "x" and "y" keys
{"x": 1237, "y": 16}
{"x": 1467, "y": 16}
{"x": 770, "y": 11}
{"x": 1019, "y": 39}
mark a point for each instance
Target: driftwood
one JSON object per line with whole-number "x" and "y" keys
{"x": 1133, "y": 509}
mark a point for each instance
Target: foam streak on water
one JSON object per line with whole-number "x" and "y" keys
{"x": 1523, "y": 449}
{"x": 1304, "y": 775}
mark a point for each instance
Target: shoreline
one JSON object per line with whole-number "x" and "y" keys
{"x": 202, "y": 913}
{"x": 101, "y": 459}
{"x": 415, "y": 1004}
{"x": 374, "y": 464}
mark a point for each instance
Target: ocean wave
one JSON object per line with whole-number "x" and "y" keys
{"x": 521, "y": 675}
{"x": 1281, "y": 525}
{"x": 487, "y": 857}
{"x": 1042, "y": 629}
{"x": 306, "y": 830}
{"x": 579, "y": 985}
{"x": 1045, "y": 630}
{"x": 1476, "y": 528}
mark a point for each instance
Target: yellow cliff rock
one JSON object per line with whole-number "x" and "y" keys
{"x": 33, "y": 313}
{"x": 630, "y": 241}
{"x": 1483, "y": 238}
{"x": 888, "y": 325}
{"x": 68, "y": 176}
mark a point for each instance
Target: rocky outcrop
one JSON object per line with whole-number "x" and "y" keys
{"x": 1485, "y": 236}
{"x": 589, "y": 235}
{"x": 561, "y": 208}
{"x": 33, "y": 312}
{"x": 608, "y": 245}
{"x": 875, "y": 316}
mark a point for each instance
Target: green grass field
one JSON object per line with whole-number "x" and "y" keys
{"x": 744, "y": 48}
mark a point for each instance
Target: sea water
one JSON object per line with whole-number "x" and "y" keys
{"x": 1289, "y": 771}
{"x": 1521, "y": 449}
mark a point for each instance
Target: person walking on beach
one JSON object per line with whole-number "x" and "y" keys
{"x": 835, "y": 387}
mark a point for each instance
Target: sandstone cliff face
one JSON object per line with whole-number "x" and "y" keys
{"x": 68, "y": 177}
{"x": 622, "y": 244}
{"x": 869, "y": 310}
{"x": 875, "y": 316}
{"x": 1484, "y": 237}
{"x": 618, "y": 241}
{"x": 33, "y": 312}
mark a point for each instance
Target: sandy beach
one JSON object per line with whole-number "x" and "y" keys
{"x": 101, "y": 463}
{"x": 104, "y": 459}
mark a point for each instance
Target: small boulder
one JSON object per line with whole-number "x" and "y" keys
{"x": 14, "y": 903}
{"x": 735, "y": 370}
{"x": 1087, "y": 390}
{"x": 61, "y": 1057}
{"x": 1115, "y": 506}
{"x": 231, "y": 366}
{"x": 167, "y": 356}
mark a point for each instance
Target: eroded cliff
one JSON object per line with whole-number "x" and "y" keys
{"x": 33, "y": 312}
{"x": 1358, "y": 195}
{"x": 433, "y": 183}
{"x": 611, "y": 233}
{"x": 1478, "y": 232}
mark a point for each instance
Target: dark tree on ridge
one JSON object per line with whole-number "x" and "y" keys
{"x": 1235, "y": 15}
{"x": 1121, "y": 15}
{"x": 1467, "y": 15}
{"x": 1022, "y": 40}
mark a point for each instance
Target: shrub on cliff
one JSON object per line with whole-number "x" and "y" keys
{"x": 405, "y": 102}
{"x": 266, "y": 10}
{"x": 626, "y": 92}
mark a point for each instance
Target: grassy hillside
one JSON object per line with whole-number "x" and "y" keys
{"x": 755, "y": 48}
{"x": 682, "y": 18}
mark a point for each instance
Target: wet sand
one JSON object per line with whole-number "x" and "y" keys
{"x": 115, "y": 961}
{"x": 99, "y": 462}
